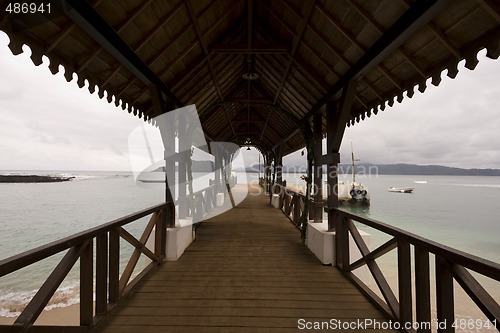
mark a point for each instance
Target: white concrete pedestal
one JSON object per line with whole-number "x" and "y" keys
{"x": 219, "y": 199}
{"x": 275, "y": 200}
{"x": 178, "y": 239}
{"x": 322, "y": 243}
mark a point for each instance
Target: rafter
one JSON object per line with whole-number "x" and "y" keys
{"x": 491, "y": 8}
{"x": 203, "y": 44}
{"x": 85, "y": 16}
{"x": 410, "y": 22}
{"x": 119, "y": 28}
{"x": 162, "y": 22}
{"x": 296, "y": 43}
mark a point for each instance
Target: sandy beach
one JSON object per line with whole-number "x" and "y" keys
{"x": 67, "y": 316}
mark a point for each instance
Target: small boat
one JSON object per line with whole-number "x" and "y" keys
{"x": 401, "y": 189}
{"x": 354, "y": 193}
{"x": 420, "y": 181}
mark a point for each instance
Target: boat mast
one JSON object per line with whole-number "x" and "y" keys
{"x": 353, "y": 170}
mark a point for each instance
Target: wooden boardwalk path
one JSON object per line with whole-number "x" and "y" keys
{"x": 246, "y": 272}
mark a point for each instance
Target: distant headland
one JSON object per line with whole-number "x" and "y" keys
{"x": 33, "y": 179}
{"x": 391, "y": 169}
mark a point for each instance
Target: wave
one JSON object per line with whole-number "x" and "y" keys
{"x": 476, "y": 185}
{"x": 79, "y": 177}
{"x": 13, "y": 303}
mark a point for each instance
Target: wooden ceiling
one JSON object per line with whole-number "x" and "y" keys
{"x": 256, "y": 69}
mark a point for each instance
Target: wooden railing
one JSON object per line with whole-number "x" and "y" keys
{"x": 450, "y": 265}
{"x": 292, "y": 204}
{"x": 110, "y": 285}
{"x": 203, "y": 202}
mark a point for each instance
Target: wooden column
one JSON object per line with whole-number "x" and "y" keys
{"x": 423, "y": 289}
{"x": 404, "y": 283}
{"x": 268, "y": 174}
{"x": 218, "y": 168}
{"x": 445, "y": 307}
{"x": 334, "y": 159}
{"x": 279, "y": 166}
{"x": 318, "y": 168}
{"x": 168, "y": 137}
{"x": 336, "y": 122}
{"x": 184, "y": 148}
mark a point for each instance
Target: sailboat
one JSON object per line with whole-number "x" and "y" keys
{"x": 354, "y": 193}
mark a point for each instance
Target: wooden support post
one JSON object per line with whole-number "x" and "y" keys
{"x": 184, "y": 146}
{"x": 279, "y": 165}
{"x": 101, "y": 288}
{"x": 445, "y": 306}
{"x": 218, "y": 169}
{"x": 161, "y": 235}
{"x": 404, "y": 282}
{"x": 422, "y": 289}
{"x": 267, "y": 172}
{"x": 87, "y": 285}
{"x": 318, "y": 168}
{"x": 296, "y": 209}
{"x": 336, "y": 123}
{"x": 341, "y": 243}
{"x": 332, "y": 176}
{"x": 227, "y": 175}
{"x": 114, "y": 266}
{"x": 167, "y": 132}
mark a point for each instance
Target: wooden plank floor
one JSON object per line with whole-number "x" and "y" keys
{"x": 245, "y": 272}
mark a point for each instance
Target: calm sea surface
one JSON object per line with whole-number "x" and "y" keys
{"x": 461, "y": 212}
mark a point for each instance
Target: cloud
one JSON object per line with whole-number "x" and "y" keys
{"x": 454, "y": 124}
{"x": 48, "y": 123}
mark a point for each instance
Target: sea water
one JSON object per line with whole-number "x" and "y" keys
{"x": 461, "y": 212}
{"x": 34, "y": 214}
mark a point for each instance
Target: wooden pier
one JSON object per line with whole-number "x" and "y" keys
{"x": 279, "y": 78}
{"x": 245, "y": 272}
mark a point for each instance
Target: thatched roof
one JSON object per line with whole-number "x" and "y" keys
{"x": 304, "y": 52}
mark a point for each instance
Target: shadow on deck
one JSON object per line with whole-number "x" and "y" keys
{"x": 245, "y": 272}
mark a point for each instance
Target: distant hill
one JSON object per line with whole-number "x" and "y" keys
{"x": 396, "y": 169}
{"x": 414, "y": 169}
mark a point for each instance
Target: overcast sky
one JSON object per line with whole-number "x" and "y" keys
{"x": 49, "y": 124}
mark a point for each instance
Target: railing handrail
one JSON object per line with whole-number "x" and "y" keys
{"x": 26, "y": 258}
{"x": 484, "y": 266}
{"x": 18, "y": 261}
{"x": 292, "y": 192}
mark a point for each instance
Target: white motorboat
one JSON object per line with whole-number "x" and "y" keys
{"x": 401, "y": 189}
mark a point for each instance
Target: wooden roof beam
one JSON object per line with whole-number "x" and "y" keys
{"x": 305, "y": 68}
{"x": 295, "y": 46}
{"x": 163, "y": 21}
{"x": 150, "y": 34}
{"x": 491, "y": 8}
{"x": 187, "y": 28}
{"x": 226, "y": 65}
{"x": 256, "y": 49}
{"x": 85, "y": 16}
{"x": 122, "y": 25}
{"x": 354, "y": 41}
{"x": 201, "y": 40}
{"x": 341, "y": 117}
{"x": 249, "y": 24}
{"x": 339, "y": 27}
{"x": 410, "y": 22}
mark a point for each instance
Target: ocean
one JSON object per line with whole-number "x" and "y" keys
{"x": 461, "y": 212}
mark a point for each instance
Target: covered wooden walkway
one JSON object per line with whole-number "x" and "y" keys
{"x": 246, "y": 272}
